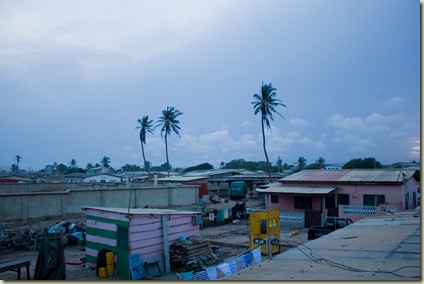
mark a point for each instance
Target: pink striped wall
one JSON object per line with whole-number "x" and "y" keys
{"x": 101, "y": 225}
{"x": 146, "y": 234}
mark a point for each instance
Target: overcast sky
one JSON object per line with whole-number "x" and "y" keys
{"x": 76, "y": 75}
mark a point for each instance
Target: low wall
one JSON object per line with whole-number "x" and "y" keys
{"x": 23, "y": 206}
{"x": 60, "y": 186}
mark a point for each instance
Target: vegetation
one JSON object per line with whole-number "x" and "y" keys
{"x": 15, "y": 167}
{"x": 301, "y": 164}
{"x": 105, "y": 162}
{"x": 169, "y": 123}
{"x": 265, "y": 103}
{"x": 131, "y": 168}
{"x": 204, "y": 166}
{"x": 72, "y": 170}
{"x": 367, "y": 163}
{"x": 146, "y": 125}
{"x": 73, "y": 163}
{"x": 318, "y": 165}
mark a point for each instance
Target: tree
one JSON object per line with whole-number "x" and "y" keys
{"x": 265, "y": 103}
{"x": 367, "y": 163}
{"x": 301, "y": 163}
{"x": 105, "y": 161}
{"x": 204, "y": 166}
{"x": 130, "y": 168}
{"x": 61, "y": 168}
{"x": 146, "y": 125}
{"x": 321, "y": 162}
{"x": 89, "y": 166}
{"x": 169, "y": 123}
{"x": 18, "y": 159}
{"x": 15, "y": 167}
{"x": 279, "y": 165}
{"x": 73, "y": 163}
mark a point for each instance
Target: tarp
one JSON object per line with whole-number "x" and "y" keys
{"x": 50, "y": 261}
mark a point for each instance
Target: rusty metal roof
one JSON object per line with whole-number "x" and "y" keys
{"x": 286, "y": 189}
{"x": 182, "y": 178}
{"x": 371, "y": 175}
{"x": 143, "y": 211}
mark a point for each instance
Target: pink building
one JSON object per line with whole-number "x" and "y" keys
{"x": 355, "y": 194}
{"x": 145, "y": 231}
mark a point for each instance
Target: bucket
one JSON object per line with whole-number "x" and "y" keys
{"x": 110, "y": 258}
{"x": 110, "y": 270}
{"x": 102, "y": 272}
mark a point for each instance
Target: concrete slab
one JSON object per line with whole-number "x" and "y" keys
{"x": 379, "y": 248}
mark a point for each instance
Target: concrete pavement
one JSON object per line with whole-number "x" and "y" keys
{"x": 382, "y": 247}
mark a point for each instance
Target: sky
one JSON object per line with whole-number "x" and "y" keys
{"x": 75, "y": 76}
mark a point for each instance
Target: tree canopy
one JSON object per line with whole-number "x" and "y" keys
{"x": 204, "y": 166}
{"x": 367, "y": 163}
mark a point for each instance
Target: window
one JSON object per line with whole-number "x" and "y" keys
{"x": 342, "y": 199}
{"x": 303, "y": 202}
{"x": 274, "y": 198}
{"x": 330, "y": 201}
{"x": 373, "y": 200}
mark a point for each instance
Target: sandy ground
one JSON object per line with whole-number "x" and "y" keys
{"x": 232, "y": 239}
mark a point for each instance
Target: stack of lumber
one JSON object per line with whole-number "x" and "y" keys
{"x": 189, "y": 254}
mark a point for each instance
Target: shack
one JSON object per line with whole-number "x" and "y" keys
{"x": 145, "y": 231}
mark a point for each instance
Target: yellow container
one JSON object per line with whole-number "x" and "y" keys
{"x": 102, "y": 272}
{"x": 110, "y": 270}
{"x": 110, "y": 258}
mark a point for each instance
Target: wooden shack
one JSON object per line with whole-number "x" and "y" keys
{"x": 146, "y": 231}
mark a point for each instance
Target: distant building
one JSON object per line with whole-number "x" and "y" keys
{"x": 333, "y": 166}
{"x": 14, "y": 179}
{"x": 102, "y": 178}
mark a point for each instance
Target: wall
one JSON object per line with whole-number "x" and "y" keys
{"x": 33, "y": 187}
{"x": 23, "y": 206}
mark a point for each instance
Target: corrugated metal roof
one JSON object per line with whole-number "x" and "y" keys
{"x": 181, "y": 178}
{"x": 144, "y": 211}
{"x": 285, "y": 189}
{"x": 373, "y": 175}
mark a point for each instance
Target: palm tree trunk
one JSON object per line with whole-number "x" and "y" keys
{"x": 144, "y": 158}
{"x": 266, "y": 155}
{"x": 167, "y": 159}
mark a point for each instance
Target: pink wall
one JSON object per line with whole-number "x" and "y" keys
{"x": 394, "y": 197}
{"x": 286, "y": 203}
{"x": 146, "y": 235}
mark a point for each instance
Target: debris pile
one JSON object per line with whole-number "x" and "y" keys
{"x": 29, "y": 238}
{"x": 17, "y": 239}
{"x": 191, "y": 254}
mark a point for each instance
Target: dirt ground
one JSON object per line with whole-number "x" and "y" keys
{"x": 232, "y": 239}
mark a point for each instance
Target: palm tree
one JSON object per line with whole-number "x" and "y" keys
{"x": 146, "y": 125}
{"x": 105, "y": 161}
{"x": 89, "y": 166}
{"x": 169, "y": 122}
{"x": 301, "y": 163}
{"x": 73, "y": 163}
{"x": 265, "y": 103}
{"x": 321, "y": 162}
{"x": 18, "y": 160}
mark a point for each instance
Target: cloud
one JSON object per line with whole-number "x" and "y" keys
{"x": 361, "y": 135}
{"x": 298, "y": 122}
{"x": 394, "y": 101}
{"x": 309, "y": 142}
{"x": 373, "y": 125}
{"x": 99, "y": 34}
